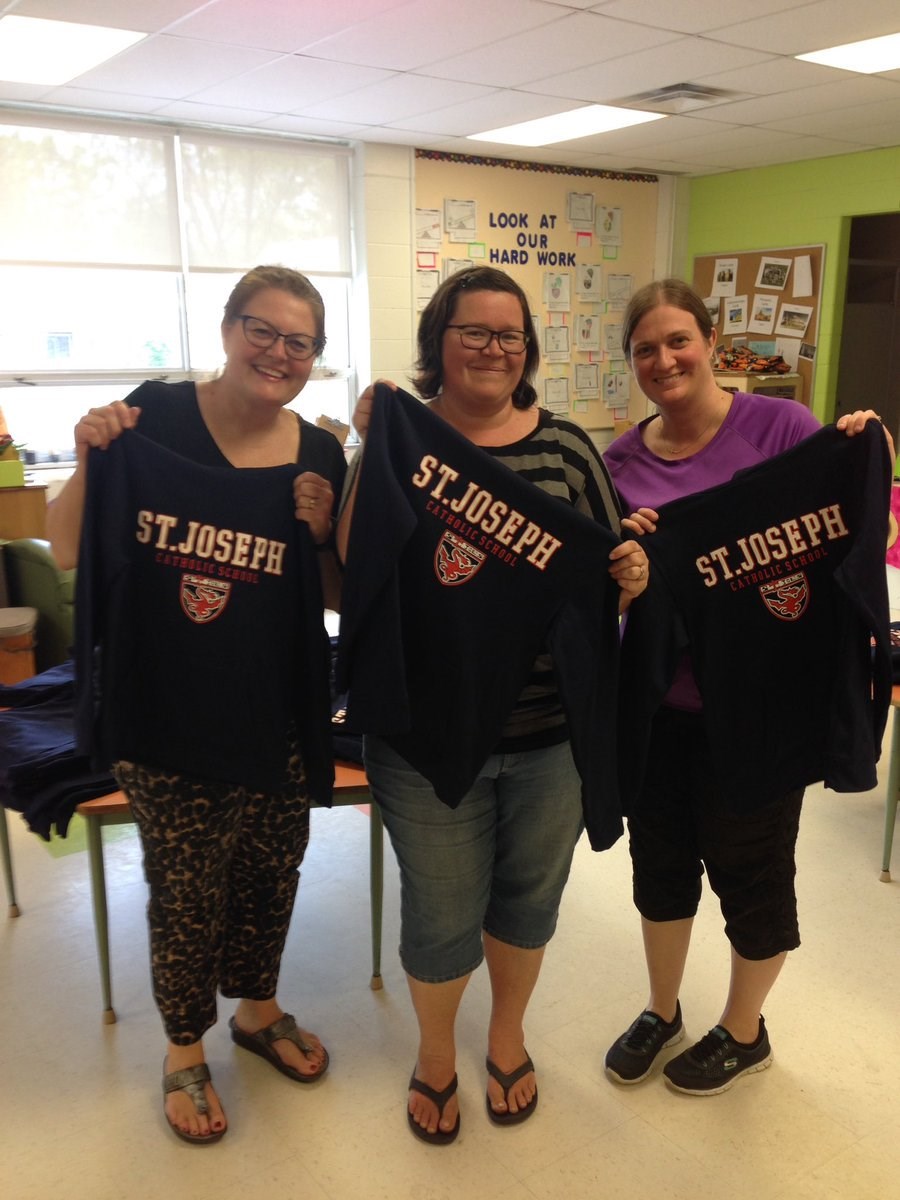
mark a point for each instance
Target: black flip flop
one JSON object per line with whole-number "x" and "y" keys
{"x": 440, "y": 1137}
{"x": 506, "y": 1082}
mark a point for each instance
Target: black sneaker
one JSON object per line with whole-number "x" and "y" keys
{"x": 717, "y": 1061}
{"x": 631, "y": 1058}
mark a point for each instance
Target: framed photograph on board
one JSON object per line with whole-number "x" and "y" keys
{"x": 793, "y": 320}
{"x": 724, "y": 282}
{"x": 762, "y": 313}
{"x": 735, "y": 320}
{"x": 713, "y": 307}
{"x": 773, "y": 272}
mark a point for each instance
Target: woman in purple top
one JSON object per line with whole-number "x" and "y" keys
{"x": 681, "y": 824}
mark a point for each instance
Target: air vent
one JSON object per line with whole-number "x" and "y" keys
{"x": 680, "y": 98}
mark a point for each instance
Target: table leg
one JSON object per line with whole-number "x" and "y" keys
{"x": 376, "y": 885}
{"x": 6, "y": 856}
{"x": 890, "y": 804}
{"x": 101, "y": 919}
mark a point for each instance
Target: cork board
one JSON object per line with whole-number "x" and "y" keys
{"x": 767, "y": 298}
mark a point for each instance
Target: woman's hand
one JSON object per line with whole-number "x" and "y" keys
{"x": 314, "y": 504}
{"x": 362, "y": 414}
{"x": 641, "y": 522}
{"x": 97, "y": 428}
{"x": 854, "y": 423}
{"x": 630, "y": 568}
{"x": 100, "y": 426}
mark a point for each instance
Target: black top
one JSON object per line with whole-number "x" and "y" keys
{"x": 776, "y": 582}
{"x": 170, "y": 416}
{"x": 201, "y": 589}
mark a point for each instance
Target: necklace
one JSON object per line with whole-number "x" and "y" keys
{"x": 679, "y": 451}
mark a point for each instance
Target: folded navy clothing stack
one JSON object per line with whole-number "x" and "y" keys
{"x": 56, "y": 682}
{"x": 41, "y": 775}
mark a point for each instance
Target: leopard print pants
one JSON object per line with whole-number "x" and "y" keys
{"x": 222, "y": 867}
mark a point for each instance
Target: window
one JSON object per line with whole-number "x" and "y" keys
{"x": 59, "y": 346}
{"x": 120, "y": 243}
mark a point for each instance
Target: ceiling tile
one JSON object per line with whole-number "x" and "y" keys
{"x": 806, "y": 27}
{"x": 279, "y": 24}
{"x": 773, "y": 75}
{"x": 575, "y": 3}
{"x": 397, "y": 97}
{"x": 577, "y": 40}
{"x": 489, "y": 112}
{"x": 660, "y": 66}
{"x": 795, "y": 149}
{"x": 212, "y": 114}
{"x": 22, "y": 93}
{"x": 170, "y": 67}
{"x": 844, "y": 93}
{"x": 117, "y": 14}
{"x": 691, "y": 16}
{"x": 289, "y": 83}
{"x": 843, "y": 122}
{"x": 113, "y": 102}
{"x": 425, "y": 31}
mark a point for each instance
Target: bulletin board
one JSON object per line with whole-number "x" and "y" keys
{"x": 768, "y": 301}
{"x": 578, "y": 242}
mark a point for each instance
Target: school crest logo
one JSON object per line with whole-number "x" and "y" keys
{"x": 456, "y": 561}
{"x": 786, "y": 598}
{"x": 203, "y": 599}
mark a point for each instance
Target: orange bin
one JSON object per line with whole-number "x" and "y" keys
{"x": 17, "y": 642}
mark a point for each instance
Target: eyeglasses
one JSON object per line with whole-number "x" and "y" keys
{"x": 296, "y": 345}
{"x": 476, "y": 337}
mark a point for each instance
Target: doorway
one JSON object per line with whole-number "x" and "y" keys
{"x": 869, "y": 361}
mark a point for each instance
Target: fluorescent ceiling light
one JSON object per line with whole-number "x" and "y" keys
{"x": 867, "y": 57}
{"x": 566, "y": 126}
{"x": 33, "y": 50}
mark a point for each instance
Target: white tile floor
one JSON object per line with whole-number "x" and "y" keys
{"x": 80, "y": 1110}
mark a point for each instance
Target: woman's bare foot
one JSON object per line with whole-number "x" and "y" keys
{"x": 180, "y": 1108}
{"x": 507, "y": 1058}
{"x": 438, "y": 1075}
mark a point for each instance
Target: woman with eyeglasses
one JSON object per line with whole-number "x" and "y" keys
{"x": 221, "y": 853}
{"x": 484, "y": 879}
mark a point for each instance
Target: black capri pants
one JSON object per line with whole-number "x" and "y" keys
{"x": 682, "y": 823}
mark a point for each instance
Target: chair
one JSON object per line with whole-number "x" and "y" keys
{"x": 350, "y": 784}
{"x": 893, "y": 790}
{"x": 35, "y": 634}
{"x": 35, "y": 581}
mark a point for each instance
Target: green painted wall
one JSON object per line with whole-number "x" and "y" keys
{"x": 797, "y": 204}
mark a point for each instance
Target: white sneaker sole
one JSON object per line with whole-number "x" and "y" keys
{"x": 686, "y": 1091}
{"x": 673, "y": 1041}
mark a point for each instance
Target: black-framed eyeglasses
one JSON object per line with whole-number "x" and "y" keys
{"x": 477, "y": 337}
{"x": 296, "y": 345}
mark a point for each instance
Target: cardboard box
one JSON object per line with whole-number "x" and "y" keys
{"x": 333, "y": 425}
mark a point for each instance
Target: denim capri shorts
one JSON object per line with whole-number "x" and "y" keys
{"x": 498, "y": 862}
